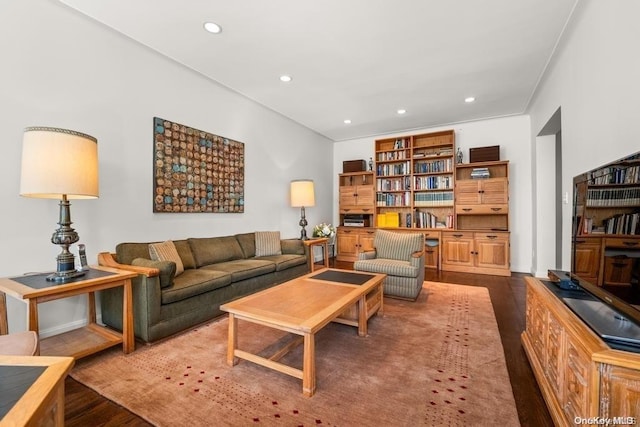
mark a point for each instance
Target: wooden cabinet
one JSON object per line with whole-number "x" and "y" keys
{"x": 351, "y": 241}
{"x": 579, "y": 374}
{"x": 356, "y": 192}
{"x": 479, "y": 252}
{"x": 482, "y": 203}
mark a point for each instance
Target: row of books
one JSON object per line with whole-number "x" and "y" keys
{"x": 616, "y": 175}
{"x": 393, "y": 199}
{"x": 623, "y": 224}
{"x": 437, "y": 182}
{"x": 393, "y": 184}
{"x": 480, "y": 173}
{"x": 391, "y": 155}
{"x": 433, "y": 153}
{"x": 429, "y": 220}
{"x": 434, "y": 166}
{"x": 614, "y": 197}
{"x": 441, "y": 198}
{"x": 393, "y": 169}
{"x": 419, "y": 220}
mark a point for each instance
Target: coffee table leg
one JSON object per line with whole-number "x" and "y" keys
{"x": 309, "y": 366}
{"x": 233, "y": 340}
{"x": 362, "y": 316}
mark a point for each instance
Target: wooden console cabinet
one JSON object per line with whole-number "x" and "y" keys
{"x": 476, "y": 252}
{"x": 579, "y": 375}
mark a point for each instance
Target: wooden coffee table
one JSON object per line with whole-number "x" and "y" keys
{"x": 303, "y": 306}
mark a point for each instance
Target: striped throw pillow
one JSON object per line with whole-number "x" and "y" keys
{"x": 268, "y": 243}
{"x": 166, "y": 251}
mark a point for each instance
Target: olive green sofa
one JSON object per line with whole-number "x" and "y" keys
{"x": 216, "y": 270}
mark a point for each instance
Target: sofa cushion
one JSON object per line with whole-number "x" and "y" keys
{"x": 292, "y": 246}
{"x": 184, "y": 250}
{"x": 242, "y": 269}
{"x": 247, "y": 243}
{"x": 167, "y": 269}
{"x": 398, "y": 246}
{"x": 391, "y": 267}
{"x": 166, "y": 251}
{"x": 212, "y": 250}
{"x": 285, "y": 261}
{"x": 194, "y": 282}
{"x": 268, "y": 243}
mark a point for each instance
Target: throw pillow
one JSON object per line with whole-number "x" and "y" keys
{"x": 167, "y": 269}
{"x": 268, "y": 243}
{"x": 166, "y": 251}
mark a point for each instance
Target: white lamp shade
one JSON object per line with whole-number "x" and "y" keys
{"x": 58, "y": 162}
{"x": 302, "y": 193}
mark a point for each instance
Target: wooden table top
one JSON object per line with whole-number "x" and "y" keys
{"x": 304, "y": 304}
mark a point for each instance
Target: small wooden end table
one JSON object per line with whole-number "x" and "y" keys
{"x": 318, "y": 241}
{"x": 89, "y": 339}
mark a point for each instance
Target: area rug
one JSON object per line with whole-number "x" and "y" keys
{"x": 437, "y": 361}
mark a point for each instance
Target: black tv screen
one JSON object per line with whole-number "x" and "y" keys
{"x": 605, "y": 244}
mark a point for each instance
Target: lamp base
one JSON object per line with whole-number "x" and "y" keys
{"x": 66, "y": 276}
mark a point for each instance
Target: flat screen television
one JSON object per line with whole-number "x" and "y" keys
{"x": 605, "y": 244}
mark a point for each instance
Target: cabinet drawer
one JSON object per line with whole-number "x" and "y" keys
{"x": 492, "y": 236}
{"x": 482, "y": 209}
{"x": 457, "y": 235}
{"x": 622, "y": 242}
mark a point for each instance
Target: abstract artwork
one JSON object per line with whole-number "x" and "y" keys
{"x": 196, "y": 171}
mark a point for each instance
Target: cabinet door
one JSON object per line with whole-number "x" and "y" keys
{"x": 587, "y": 259}
{"x": 468, "y": 192}
{"x": 494, "y": 191}
{"x": 347, "y": 196}
{"x": 492, "y": 250}
{"x": 555, "y": 358}
{"x": 619, "y": 392}
{"x": 347, "y": 244}
{"x": 576, "y": 382}
{"x": 364, "y": 196}
{"x": 457, "y": 249}
{"x": 365, "y": 241}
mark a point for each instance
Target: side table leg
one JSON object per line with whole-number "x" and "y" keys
{"x": 33, "y": 316}
{"x": 4, "y": 324}
{"x": 309, "y": 365}
{"x": 128, "y": 340}
{"x": 233, "y": 340}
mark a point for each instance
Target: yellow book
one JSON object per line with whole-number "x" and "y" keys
{"x": 381, "y": 220}
{"x": 392, "y": 219}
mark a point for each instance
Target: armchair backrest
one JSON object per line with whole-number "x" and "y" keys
{"x": 399, "y": 246}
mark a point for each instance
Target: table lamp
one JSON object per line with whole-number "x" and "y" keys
{"x": 302, "y": 195}
{"x": 60, "y": 164}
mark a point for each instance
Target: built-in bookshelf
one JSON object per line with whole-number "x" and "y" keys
{"x": 415, "y": 181}
{"x": 609, "y": 200}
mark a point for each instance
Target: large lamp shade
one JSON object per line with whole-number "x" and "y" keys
{"x": 57, "y": 162}
{"x": 302, "y": 193}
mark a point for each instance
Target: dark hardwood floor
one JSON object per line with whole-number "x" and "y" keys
{"x": 85, "y": 408}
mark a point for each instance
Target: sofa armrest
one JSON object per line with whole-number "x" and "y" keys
{"x": 108, "y": 259}
{"x": 294, "y": 246}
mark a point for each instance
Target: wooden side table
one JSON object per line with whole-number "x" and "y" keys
{"x": 318, "y": 241}
{"x": 89, "y": 339}
{"x": 33, "y": 390}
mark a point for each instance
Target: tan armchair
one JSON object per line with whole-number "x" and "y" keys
{"x": 401, "y": 257}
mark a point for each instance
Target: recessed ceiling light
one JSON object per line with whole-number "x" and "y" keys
{"x": 285, "y": 78}
{"x": 402, "y": 111}
{"x": 212, "y": 27}
{"x": 347, "y": 122}
{"x": 469, "y": 99}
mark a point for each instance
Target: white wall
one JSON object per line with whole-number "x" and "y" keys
{"x": 61, "y": 69}
{"x": 594, "y": 77}
{"x": 511, "y": 134}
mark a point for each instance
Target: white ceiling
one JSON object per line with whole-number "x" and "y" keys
{"x": 356, "y": 59}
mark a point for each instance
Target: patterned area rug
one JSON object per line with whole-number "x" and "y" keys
{"x": 434, "y": 362}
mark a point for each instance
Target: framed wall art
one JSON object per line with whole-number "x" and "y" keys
{"x": 196, "y": 171}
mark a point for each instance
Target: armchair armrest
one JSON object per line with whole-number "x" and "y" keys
{"x": 417, "y": 259}
{"x": 108, "y": 259}
{"x": 367, "y": 255}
